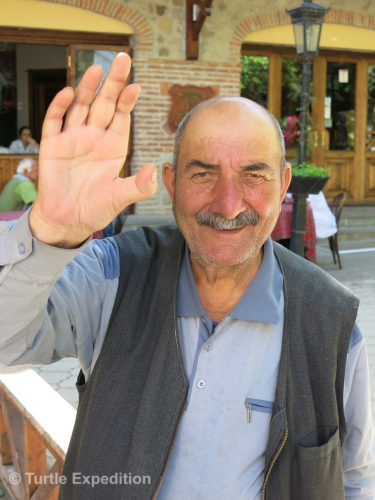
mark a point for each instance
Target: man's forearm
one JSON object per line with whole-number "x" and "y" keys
{"x": 28, "y": 272}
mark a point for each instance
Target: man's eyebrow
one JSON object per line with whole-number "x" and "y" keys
{"x": 254, "y": 167}
{"x": 201, "y": 164}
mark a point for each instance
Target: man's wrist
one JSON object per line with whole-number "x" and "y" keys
{"x": 60, "y": 236}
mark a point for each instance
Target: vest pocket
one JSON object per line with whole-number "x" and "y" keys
{"x": 318, "y": 471}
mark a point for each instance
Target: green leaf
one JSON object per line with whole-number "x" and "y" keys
{"x": 309, "y": 170}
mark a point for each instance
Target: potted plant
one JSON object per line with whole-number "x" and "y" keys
{"x": 308, "y": 178}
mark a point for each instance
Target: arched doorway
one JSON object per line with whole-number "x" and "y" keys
{"x": 342, "y": 120}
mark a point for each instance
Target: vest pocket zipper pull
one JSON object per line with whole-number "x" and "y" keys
{"x": 248, "y": 406}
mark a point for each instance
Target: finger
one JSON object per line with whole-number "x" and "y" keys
{"x": 136, "y": 188}
{"x": 125, "y": 104}
{"x": 54, "y": 116}
{"x": 84, "y": 95}
{"x": 104, "y": 105}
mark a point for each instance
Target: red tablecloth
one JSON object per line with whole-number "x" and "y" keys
{"x": 11, "y": 215}
{"x": 283, "y": 229}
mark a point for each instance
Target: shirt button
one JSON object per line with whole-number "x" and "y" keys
{"x": 201, "y": 384}
{"x": 21, "y": 248}
{"x": 208, "y": 346}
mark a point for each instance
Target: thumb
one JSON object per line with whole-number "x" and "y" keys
{"x": 137, "y": 187}
{"x": 146, "y": 180}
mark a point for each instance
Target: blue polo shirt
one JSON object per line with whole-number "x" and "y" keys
{"x": 232, "y": 367}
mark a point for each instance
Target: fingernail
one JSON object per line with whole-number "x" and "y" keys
{"x": 154, "y": 177}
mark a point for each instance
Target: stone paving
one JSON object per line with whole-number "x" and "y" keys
{"x": 357, "y": 273}
{"x": 62, "y": 376}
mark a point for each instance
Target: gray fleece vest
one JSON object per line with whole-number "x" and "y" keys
{"x": 130, "y": 408}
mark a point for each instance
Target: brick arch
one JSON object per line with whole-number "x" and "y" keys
{"x": 141, "y": 26}
{"x": 279, "y": 18}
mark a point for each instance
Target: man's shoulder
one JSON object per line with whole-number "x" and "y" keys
{"x": 308, "y": 283}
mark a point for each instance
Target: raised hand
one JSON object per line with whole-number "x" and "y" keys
{"x": 79, "y": 190}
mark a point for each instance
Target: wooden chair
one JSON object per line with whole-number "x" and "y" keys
{"x": 336, "y": 207}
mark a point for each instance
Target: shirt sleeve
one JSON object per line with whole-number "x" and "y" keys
{"x": 54, "y": 302}
{"x": 359, "y": 452}
{"x": 26, "y": 191}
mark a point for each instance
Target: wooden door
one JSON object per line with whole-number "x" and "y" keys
{"x": 344, "y": 120}
{"x": 341, "y": 131}
{"x": 338, "y": 124}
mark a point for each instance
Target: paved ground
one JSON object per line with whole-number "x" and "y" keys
{"x": 357, "y": 273}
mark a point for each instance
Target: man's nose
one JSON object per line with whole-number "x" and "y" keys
{"x": 228, "y": 198}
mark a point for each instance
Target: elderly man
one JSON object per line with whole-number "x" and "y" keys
{"x": 20, "y": 190}
{"x": 215, "y": 364}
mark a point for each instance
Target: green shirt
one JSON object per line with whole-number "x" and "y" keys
{"x": 17, "y": 193}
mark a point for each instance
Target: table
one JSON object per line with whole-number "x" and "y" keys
{"x": 283, "y": 229}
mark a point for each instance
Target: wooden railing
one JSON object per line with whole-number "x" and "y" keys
{"x": 34, "y": 419}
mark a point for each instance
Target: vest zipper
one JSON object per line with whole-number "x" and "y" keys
{"x": 161, "y": 479}
{"x": 275, "y": 456}
{"x": 165, "y": 468}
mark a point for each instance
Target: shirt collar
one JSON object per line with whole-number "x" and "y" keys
{"x": 21, "y": 177}
{"x": 258, "y": 303}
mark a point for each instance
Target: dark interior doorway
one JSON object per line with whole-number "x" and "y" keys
{"x": 43, "y": 86}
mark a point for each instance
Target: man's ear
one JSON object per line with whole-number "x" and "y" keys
{"x": 286, "y": 177}
{"x": 168, "y": 178}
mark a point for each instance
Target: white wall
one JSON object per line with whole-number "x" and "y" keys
{"x": 30, "y": 56}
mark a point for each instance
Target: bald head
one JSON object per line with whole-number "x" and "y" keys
{"x": 220, "y": 103}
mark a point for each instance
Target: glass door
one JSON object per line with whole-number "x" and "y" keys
{"x": 82, "y": 56}
{"x": 340, "y": 110}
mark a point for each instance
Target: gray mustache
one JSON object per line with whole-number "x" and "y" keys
{"x": 217, "y": 221}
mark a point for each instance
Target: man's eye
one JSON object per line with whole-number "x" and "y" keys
{"x": 253, "y": 178}
{"x": 201, "y": 176}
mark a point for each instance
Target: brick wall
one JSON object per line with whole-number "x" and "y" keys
{"x": 152, "y": 139}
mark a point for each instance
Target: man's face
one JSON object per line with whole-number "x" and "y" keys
{"x": 33, "y": 173}
{"x": 25, "y": 135}
{"x": 228, "y": 168}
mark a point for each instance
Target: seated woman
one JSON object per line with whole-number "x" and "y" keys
{"x": 25, "y": 144}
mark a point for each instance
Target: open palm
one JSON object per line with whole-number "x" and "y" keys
{"x": 79, "y": 188}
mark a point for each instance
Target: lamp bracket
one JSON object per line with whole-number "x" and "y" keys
{"x": 196, "y": 13}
